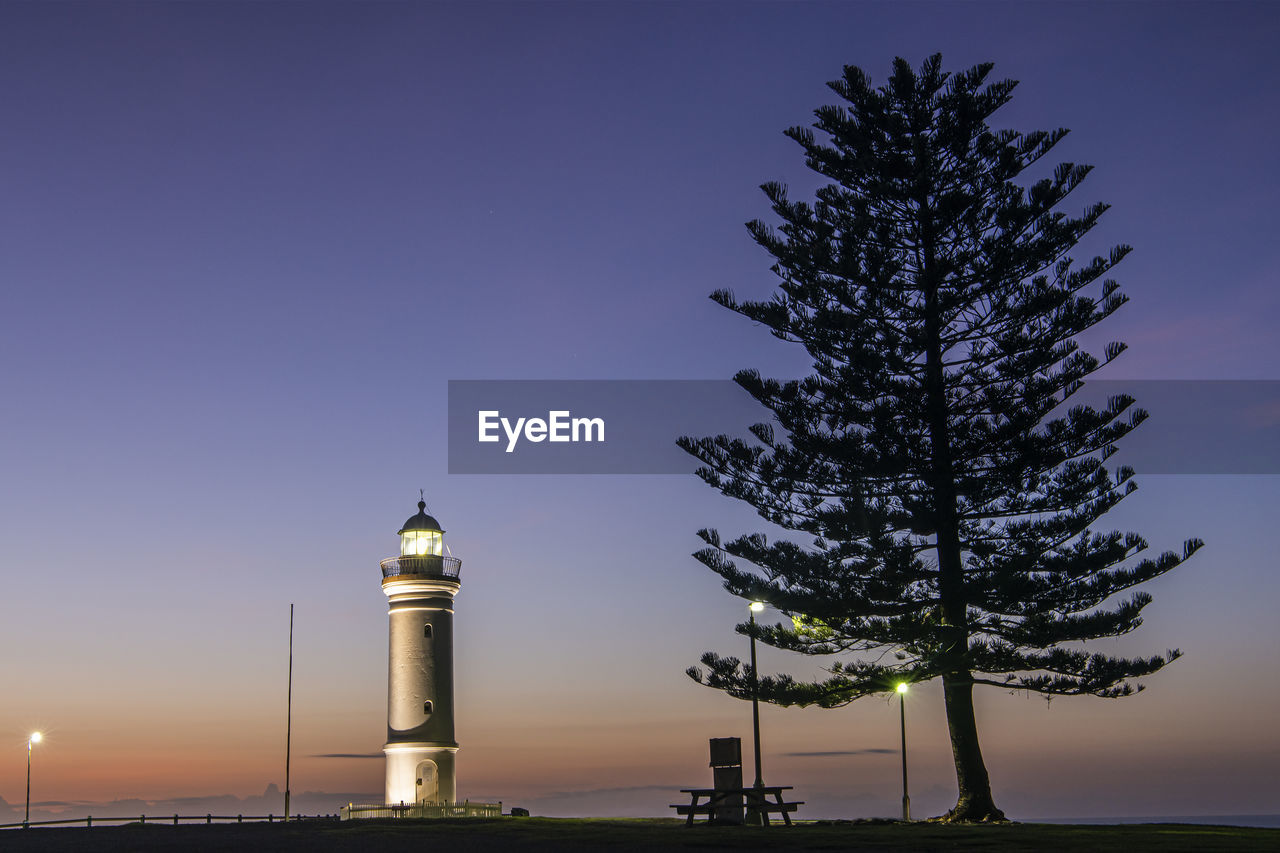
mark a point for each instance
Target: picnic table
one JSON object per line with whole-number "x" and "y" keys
{"x": 756, "y": 799}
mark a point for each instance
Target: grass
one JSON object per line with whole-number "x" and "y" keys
{"x": 511, "y": 835}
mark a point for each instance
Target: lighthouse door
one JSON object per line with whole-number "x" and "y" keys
{"x": 428, "y": 782}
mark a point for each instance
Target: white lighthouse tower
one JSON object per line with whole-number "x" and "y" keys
{"x": 420, "y": 585}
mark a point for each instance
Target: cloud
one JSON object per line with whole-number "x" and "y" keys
{"x": 349, "y": 755}
{"x": 835, "y": 752}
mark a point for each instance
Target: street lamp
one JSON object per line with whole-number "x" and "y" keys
{"x": 35, "y": 738}
{"x": 754, "y": 815}
{"x": 754, "y": 608}
{"x": 902, "y": 709}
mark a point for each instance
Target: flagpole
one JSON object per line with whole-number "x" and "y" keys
{"x": 288, "y": 729}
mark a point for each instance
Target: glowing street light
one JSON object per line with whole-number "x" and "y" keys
{"x": 902, "y": 708}
{"x": 754, "y": 608}
{"x": 35, "y": 738}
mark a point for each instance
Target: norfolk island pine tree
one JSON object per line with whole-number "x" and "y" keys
{"x": 947, "y": 483}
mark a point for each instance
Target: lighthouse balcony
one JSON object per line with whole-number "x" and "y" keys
{"x": 422, "y": 565}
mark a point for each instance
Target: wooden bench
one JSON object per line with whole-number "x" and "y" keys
{"x": 754, "y": 799}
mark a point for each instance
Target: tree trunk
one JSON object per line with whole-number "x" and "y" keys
{"x": 974, "y": 802}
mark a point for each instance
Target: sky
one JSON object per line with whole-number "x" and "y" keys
{"x": 245, "y": 246}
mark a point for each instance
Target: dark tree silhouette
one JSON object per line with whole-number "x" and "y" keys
{"x": 947, "y": 491}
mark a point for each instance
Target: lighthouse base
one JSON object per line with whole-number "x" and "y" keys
{"x": 356, "y": 811}
{"x": 420, "y": 773}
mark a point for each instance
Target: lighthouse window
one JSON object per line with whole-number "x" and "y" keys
{"x": 426, "y": 630}
{"x": 417, "y": 543}
{"x": 426, "y": 707}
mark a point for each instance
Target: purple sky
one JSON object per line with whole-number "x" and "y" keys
{"x": 243, "y": 247}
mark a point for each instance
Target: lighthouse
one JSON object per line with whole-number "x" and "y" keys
{"x": 420, "y": 585}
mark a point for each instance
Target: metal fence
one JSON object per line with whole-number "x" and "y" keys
{"x": 352, "y": 811}
{"x": 167, "y": 819}
{"x": 429, "y": 565}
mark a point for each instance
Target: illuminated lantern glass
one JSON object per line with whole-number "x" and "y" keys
{"x": 416, "y": 543}
{"x": 421, "y": 535}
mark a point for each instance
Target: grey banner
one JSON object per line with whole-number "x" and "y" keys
{"x": 630, "y": 426}
{"x": 1197, "y": 426}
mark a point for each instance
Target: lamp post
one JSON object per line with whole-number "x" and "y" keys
{"x": 754, "y": 608}
{"x": 902, "y": 712}
{"x": 35, "y": 738}
{"x": 754, "y": 815}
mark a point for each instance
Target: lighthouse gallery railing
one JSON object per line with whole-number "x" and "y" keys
{"x": 431, "y": 565}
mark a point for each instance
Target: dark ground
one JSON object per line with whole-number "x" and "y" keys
{"x": 510, "y": 835}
